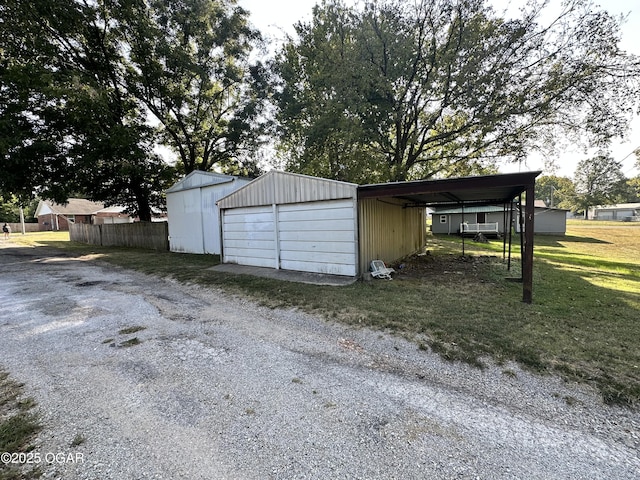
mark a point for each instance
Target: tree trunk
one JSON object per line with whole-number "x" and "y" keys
{"x": 144, "y": 208}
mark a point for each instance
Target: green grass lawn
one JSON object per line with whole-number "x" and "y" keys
{"x": 18, "y": 427}
{"x": 583, "y": 323}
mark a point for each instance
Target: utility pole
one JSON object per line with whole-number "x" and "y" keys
{"x": 22, "y": 220}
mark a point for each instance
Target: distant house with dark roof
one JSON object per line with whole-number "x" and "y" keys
{"x": 55, "y": 216}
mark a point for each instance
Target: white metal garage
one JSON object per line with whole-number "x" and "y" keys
{"x": 289, "y": 221}
{"x": 293, "y": 222}
{"x": 194, "y": 221}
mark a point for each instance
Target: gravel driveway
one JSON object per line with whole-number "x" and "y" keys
{"x": 221, "y": 388}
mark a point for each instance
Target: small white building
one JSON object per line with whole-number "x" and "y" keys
{"x": 194, "y": 225}
{"x": 548, "y": 220}
{"x": 622, "y": 212}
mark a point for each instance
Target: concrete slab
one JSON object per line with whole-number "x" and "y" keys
{"x": 286, "y": 275}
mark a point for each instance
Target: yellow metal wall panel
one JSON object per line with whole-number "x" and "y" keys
{"x": 388, "y": 231}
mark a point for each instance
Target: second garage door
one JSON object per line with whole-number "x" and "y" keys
{"x": 318, "y": 237}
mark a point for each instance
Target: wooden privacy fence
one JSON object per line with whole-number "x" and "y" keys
{"x": 154, "y": 236}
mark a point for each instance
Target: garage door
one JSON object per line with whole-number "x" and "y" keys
{"x": 318, "y": 237}
{"x": 248, "y": 236}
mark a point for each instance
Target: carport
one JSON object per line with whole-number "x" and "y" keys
{"x": 467, "y": 192}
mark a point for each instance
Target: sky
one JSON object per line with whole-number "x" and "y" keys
{"x": 275, "y": 19}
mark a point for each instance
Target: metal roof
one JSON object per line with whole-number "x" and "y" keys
{"x": 481, "y": 190}
{"x": 618, "y": 206}
{"x": 276, "y": 187}
{"x": 200, "y": 179}
{"x": 469, "y": 192}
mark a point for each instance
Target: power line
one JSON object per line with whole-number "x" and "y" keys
{"x": 627, "y": 156}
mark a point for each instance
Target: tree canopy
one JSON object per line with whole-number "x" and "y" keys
{"x": 188, "y": 63}
{"x": 554, "y": 190}
{"x": 598, "y": 181}
{"x": 396, "y": 90}
{"x": 90, "y": 88}
{"x": 386, "y": 90}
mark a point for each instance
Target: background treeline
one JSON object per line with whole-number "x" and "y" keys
{"x": 113, "y": 100}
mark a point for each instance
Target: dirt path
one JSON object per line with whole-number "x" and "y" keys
{"x": 218, "y": 387}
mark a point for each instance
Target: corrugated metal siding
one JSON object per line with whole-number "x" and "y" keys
{"x": 185, "y": 222}
{"x": 249, "y": 236}
{"x": 318, "y": 237}
{"x": 283, "y": 188}
{"x": 388, "y": 231}
{"x": 194, "y": 225}
{"x": 315, "y": 237}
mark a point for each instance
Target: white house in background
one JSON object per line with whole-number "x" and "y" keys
{"x": 622, "y": 212}
{"x": 491, "y": 219}
{"x": 194, "y": 225}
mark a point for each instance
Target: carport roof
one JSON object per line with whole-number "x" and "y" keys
{"x": 481, "y": 190}
{"x": 469, "y": 191}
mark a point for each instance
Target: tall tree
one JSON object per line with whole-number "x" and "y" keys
{"x": 634, "y": 189}
{"x": 79, "y": 129}
{"x": 90, "y": 87}
{"x": 398, "y": 90}
{"x": 597, "y": 182}
{"x": 188, "y": 62}
{"x": 30, "y": 146}
{"x": 554, "y": 190}
{"x": 10, "y": 210}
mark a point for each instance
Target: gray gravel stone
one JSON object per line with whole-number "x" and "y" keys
{"x": 221, "y": 388}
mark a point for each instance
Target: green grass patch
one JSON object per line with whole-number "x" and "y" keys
{"x": 18, "y": 426}
{"x": 131, "y": 342}
{"x": 77, "y": 440}
{"x": 582, "y": 324}
{"x": 129, "y": 330}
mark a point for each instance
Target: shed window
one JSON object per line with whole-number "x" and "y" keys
{"x": 443, "y": 219}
